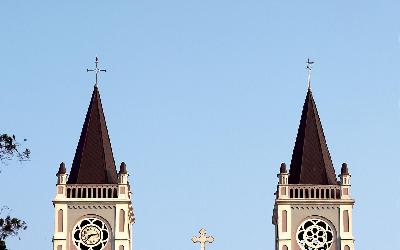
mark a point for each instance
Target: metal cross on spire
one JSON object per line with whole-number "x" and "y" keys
{"x": 309, "y": 68}
{"x": 202, "y": 239}
{"x": 96, "y": 70}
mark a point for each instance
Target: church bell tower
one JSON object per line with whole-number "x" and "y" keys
{"x": 313, "y": 210}
{"x": 92, "y": 206}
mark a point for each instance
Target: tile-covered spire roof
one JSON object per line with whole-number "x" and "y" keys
{"x": 94, "y": 161}
{"x": 311, "y": 162}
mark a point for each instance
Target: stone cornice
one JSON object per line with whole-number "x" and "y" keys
{"x": 314, "y": 202}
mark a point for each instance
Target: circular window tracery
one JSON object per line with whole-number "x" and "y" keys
{"x": 314, "y": 234}
{"x": 90, "y": 234}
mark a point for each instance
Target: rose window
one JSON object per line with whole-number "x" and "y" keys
{"x": 314, "y": 234}
{"x": 90, "y": 234}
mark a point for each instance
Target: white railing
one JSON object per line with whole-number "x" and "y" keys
{"x": 312, "y": 191}
{"x": 76, "y": 191}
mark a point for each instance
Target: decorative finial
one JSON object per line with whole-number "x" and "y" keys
{"x": 282, "y": 169}
{"x": 345, "y": 169}
{"x": 309, "y": 68}
{"x": 122, "y": 168}
{"x": 202, "y": 239}
{"x": 62, "y": 169}
{"x": 96, "y": 70}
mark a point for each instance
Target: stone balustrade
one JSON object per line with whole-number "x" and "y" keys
{"x": 76, "y": 191}
{"x": 310, "y": 191}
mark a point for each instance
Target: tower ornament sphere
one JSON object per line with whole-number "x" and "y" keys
{"x": 90, "y": 234}
{"x": 314, "y": 234}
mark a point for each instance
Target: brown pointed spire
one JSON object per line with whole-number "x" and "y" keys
{"x": 94, "y": 161}
{"x": 311, "y": 162}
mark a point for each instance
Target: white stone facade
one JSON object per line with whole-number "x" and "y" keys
{"x": 296, "y": 203}
{"x": 111, "y": 203}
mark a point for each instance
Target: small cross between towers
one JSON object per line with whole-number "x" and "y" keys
{"x": 202, "y": 239}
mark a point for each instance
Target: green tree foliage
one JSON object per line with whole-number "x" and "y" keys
{"x": 9, "y": 227}
{"x": 10, "y": 149}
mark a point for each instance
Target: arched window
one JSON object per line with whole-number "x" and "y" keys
{"x": 284, "y": 247}
{"x": 121, "y": 220}
{"x": 284, "y": 221}
{"x": 346, "y": 247}
{"x": 346, "y": 220}
{"x": 60, "y": 220}
{"x": 121, "y": 247}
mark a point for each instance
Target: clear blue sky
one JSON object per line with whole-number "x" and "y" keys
{"x": 202, "y": 101}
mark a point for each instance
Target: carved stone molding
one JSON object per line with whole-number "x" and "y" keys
{"x": 90, "y": 207}
{"x": 314, "y": 207}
